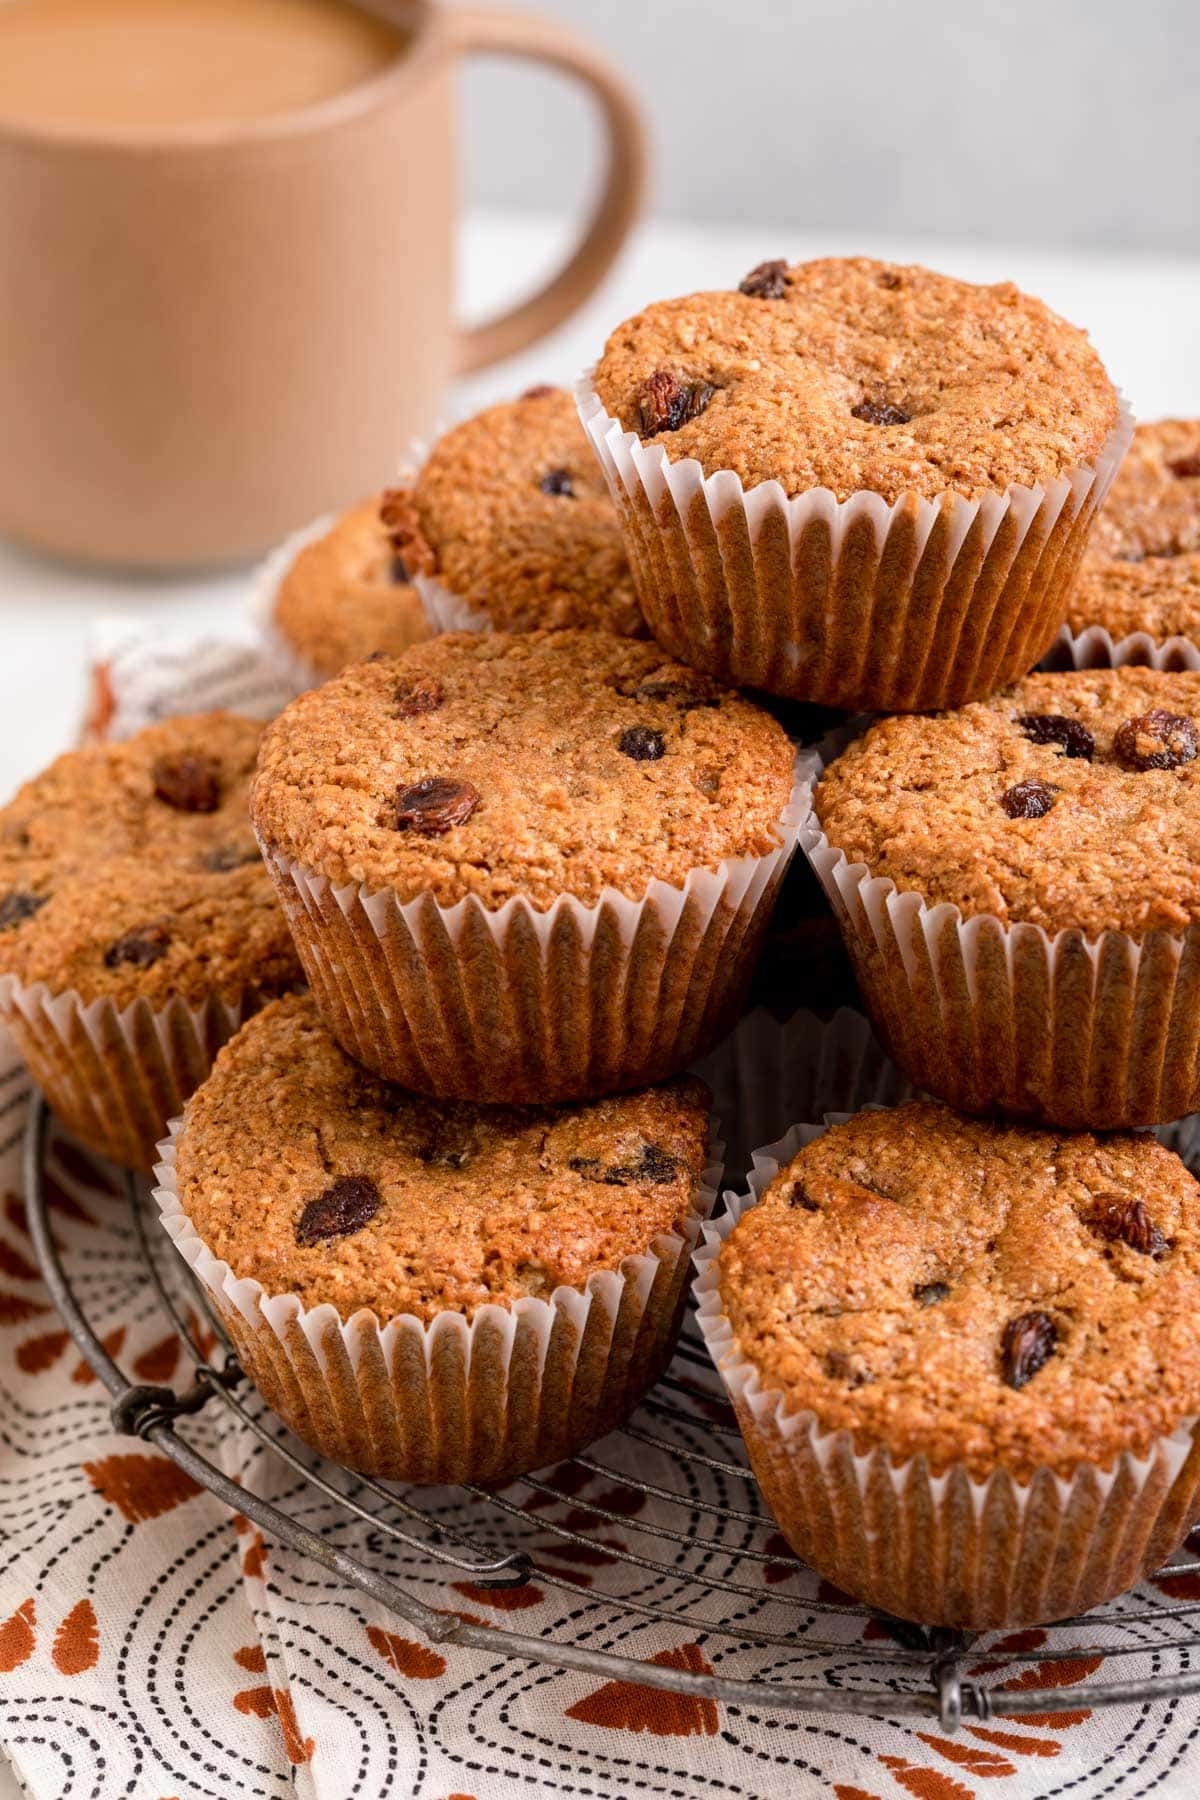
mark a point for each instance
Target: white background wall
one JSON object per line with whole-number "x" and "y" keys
{"x": 1064, "y": 122}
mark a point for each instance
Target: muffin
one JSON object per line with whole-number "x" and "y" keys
{"x": 137, "y": 925}
{"x": 434, "y": 1292}
{"x": 1018, "y": 883}
{"x": 965, "y": 1358}
{"x": 853, "y": 483}
{"x": 508, "y": 526}
{"x": 346, "y": 594}
{"x": 1141, "y": 573}
{"x": 531, "y": 867}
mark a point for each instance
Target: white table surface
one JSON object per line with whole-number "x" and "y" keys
{"x": 1143, "y": 313}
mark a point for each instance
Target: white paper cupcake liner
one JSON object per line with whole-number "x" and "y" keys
{"x": 518, "y": 1004}
{"x": 1065, "y": 1030}
{"x": 115, "y": 1076}
{"x": 446, "y": 611}
{"x": 515, "y": 1388}
{"x": 296, "y": 670}
{"x": 945, "y": 1548}
{"x": 1095, "y": 648}
{"x": 850, "y": 603}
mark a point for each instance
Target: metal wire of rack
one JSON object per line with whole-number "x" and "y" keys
{"x": 916, "y": 1672}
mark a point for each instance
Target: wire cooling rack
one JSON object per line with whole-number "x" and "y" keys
{"x": 711, "y": 1560}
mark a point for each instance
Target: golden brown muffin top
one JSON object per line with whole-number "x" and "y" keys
{"x": 973, "y": 1292}
{"x": 849, "y": 374}
{"x": 131, "y": 869}
{"x": 1141, "y": 571}
{"x": 1069, "y": 800}
{"x": 511, "y": 514}
{"x": 300, "y": 1168}
{"x": 542, "y": 764}
{"x": 348, "y": 594}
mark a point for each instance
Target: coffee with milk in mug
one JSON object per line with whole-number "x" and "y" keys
{"x": 155, "y": 64}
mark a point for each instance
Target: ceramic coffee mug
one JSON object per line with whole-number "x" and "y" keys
{"x": 215, "y": 331}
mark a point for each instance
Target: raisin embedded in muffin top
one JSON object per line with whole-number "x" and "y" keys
{"x": 300, "y": 1168}
{"x": 849, "y": 374}
{"x": 350, "y": 593}
{"x": 1069, "y": 800}
{"x": 538, "y": 764}
{"x": 131, "y": 869}
{"x": 1141, "y": 571}
{"x": 511, "y": 514}
{"x": 971, "y": 1291}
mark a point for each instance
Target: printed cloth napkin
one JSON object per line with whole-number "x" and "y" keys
{"x": 155, "y": 1645}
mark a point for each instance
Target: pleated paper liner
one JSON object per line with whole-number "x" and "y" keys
{"x": 1096, "y": 648}
{"x": 517, "y": 1004}
{"x": 854, "y": 603}
{"x": 116, "y": 1076}
{"x": 514, "y": 1389}
{"x": 944, "y": 1547}
{"x": 1065, "y": 1030}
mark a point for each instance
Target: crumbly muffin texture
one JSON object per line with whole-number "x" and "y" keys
{"x": 1069, "y": 800}
{"x": 1142, "y": 567}
{"x": 972, "y": 1292}
{"x": 511, "y": 514}
{"x": 540, "y": 764}
{"x": 300, "y": 1168}
{"x": 131, "y": 869}
{"x": 350, "y": 593}
{"x": 850, "y": 373}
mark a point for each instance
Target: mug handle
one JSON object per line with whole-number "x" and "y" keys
{"x": 485, "y": 32}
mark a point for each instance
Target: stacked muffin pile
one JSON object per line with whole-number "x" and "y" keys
{"x": 526, "y": 841}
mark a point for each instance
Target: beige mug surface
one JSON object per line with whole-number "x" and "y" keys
{"x": 217, "y": 327}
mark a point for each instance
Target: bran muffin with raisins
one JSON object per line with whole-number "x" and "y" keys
{"x": 526, "y": 866}
{"x": 132, "y": 895}
{"x": 1142, "y": 569}
{"x": 975, "y": 1303}
{"x": 847, "y": 448}
{"x": 1047, "y": 963}
{"x": 509, "y": 521}
{"x": 412, "y": 1219}
{"x": 349, "y": 593}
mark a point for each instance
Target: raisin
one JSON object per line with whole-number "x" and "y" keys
{"x": 141, "y": 947}
{"x": 18, "y": 906}
{"x": 653, "y": 1165}
{"x": 1185, "y": 468}
{"x": 931, "y": 1292}
{"x": 229, "y": 856}
{"x": 665, "y": 402}
{"x": 1120, "y": 1221}
{"x": 879, "y": 412}
{"x": 538, "y": 391}
{"x": 416, "y": 697}
{"x": 399, "y": 570}
{"x": 435, "y": 805}
{"x": 558, "y": 481}
{"x": 346, "y": 1206}
{"x": 801, "y": 1197}
{"x": 767, "y": 281}
{"x": 888, "y": 278}
{"x": 642, "y": 743}
{"x": 1028, "y": 1343}
{"x": 682, "y": 693}
{"x": 1028, "y": 799}
{"x": 1053, "y": 728}
{"x": 839, "y": 1367}
{"x": 1156, "y": 740}
{"x": 188, "y": 783}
